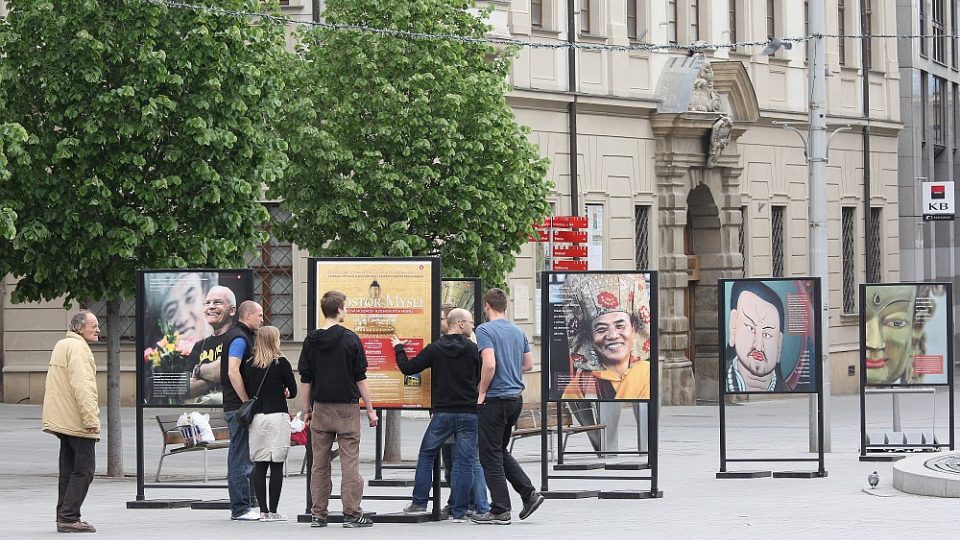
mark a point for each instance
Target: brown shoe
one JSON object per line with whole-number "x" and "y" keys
{"x": 77, "y": 526}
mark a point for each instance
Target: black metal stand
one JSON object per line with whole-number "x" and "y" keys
{"x": 871, "y": 450}
{"x": 723, "y": 473}
{"x": 651, "y": 453}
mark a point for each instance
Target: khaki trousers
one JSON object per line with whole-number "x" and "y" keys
{"x": 340, "y": 422}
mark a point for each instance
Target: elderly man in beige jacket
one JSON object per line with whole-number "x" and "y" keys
{"x": 70, "y": 412}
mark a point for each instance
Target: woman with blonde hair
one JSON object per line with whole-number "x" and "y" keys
{"x": 271, "y": 373}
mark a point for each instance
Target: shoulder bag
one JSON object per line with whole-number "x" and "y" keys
{"x": 251, "y": 407}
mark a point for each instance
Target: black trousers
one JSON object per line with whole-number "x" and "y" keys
{"x": 78, "y": 462}
{"x": 497, "y": 417}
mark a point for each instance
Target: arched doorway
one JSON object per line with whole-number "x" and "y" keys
{"x": 703, "y": 249}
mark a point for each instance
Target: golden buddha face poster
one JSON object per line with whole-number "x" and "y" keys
{"x": 386, "y": 297}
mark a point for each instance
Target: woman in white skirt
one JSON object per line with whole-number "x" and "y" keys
{"x": 270, "y": 430}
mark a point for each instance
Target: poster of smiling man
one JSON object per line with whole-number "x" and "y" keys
{"x": 905, "y": 331}
{"x": 768, "y": 335}
{"x": 602, "y": 335}
{"x": 181, "y": 316}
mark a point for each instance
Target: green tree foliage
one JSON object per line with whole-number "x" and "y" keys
{"x": 409, "y": 147}
{"x": 150, "y": 141}
{"x": 152, "y": 132}
{"x": 12, "y": 139}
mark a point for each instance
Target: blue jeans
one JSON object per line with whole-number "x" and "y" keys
{"x": 239, "y": 466}
{"x": 442, "y": 425}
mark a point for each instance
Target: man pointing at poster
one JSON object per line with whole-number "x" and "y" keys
{"x": 755, "y": 338}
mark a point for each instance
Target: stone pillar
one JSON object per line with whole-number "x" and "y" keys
{"x": 676, "y": 370}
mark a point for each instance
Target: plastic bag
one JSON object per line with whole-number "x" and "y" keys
{"x": 298, "y": 430}
{"x": 187, "y": 430}
{"x": 201, "y": 427}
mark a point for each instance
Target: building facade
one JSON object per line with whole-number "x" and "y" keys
{"x": 657, "y": 194}
{"x": 929, "y": 98}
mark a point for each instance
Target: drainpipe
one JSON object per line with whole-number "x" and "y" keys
{"x": 572, "y": 107}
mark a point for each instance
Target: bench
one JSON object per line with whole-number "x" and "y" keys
{"x": 221, "y": 435}
{"x": 172, "y": 438}
{"x": 529, "y": 425}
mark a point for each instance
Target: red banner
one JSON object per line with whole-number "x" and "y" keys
{"x": 569, "y": 251}
{"x": 570, "y": 236}
{"x": 575, "y": 266}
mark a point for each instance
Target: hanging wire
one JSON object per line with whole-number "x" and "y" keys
{"x": 487, "y": 40}
{"x": 511, "y": 42}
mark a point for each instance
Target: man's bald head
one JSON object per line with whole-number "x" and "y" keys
{"x": 460, "y": 321}
{"x": 250, "y": 314}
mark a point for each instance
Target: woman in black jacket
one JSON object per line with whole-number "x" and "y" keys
{"x": 270, "y": 429}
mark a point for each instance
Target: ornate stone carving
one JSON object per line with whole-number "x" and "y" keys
{"x": 719, "y": 139}
{"x": 704, "y": 97}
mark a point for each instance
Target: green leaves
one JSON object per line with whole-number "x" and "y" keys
{"x": 407, "y": 147}
{"x": 152, "y": 130}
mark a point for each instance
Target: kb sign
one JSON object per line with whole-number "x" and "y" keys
{"x": 938, "y": 203}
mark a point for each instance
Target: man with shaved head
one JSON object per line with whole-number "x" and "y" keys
{"x": 455, "y": 374}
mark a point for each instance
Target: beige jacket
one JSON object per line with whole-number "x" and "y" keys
{"x": 70, "y": 400}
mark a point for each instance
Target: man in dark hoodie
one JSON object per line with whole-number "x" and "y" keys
{"x": 455, "y": 366}
{"x": 333, "y": 376}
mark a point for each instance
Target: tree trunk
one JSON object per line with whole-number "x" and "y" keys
{"x": 391, "y": 442}
{"x": 114, "y": 428}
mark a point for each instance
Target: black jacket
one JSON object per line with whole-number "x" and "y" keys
{"x": 279, "y": 376}
{"x": 231, "y": 401}
{"x": 455, "y": 364}
{"x": 333, "y": 361}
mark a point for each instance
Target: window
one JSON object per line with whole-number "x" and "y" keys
{"x": 694, "y": 21}
{"x": 842, "y": 30}
{"x": 633, "y": 20}
{"x": 642, "y": 246}
{"x": 536, "y": 13}
{"x": 936, "y": 25}
{"x": 671, "y": 22}
{"x": 585, "y": 16}
{"x": 876, "y": 273}
{"x": 956, "y": 112}
{"x": 953, "y": 40}
{"x": 128, "y": 318}
{"x": 272, "y": 267}
{"x": 923, "y": 107}
{"x": 776, "y": 239}
{"x": 923, "y": 27}
{"x": 938, "y": 110}
{"x": 771, "y": 18}
{"x": 732, "y": 20}
{"x": 847, "y": 229}
{"x": 806, "y": 30}
{"x": 742, "y": 238}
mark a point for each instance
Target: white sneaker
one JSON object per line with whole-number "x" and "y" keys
{"x": 276, "y": 516}
{"x": 250, "y": 515}
{"x": 265, "y": 516}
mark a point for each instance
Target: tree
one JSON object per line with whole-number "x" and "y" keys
{"x": 407, "y": 146}
{"x": 12, "y": 139}
{"x": 153, "y": 138}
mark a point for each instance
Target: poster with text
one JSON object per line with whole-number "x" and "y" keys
{"x": 385, "y": 297}
{"x": 905, "y": 333}
{"x": 181, "y": 316}
{"x": 769, "y": 335}
{"x": 459, "y": 293}
{"x": 601, "y": 331}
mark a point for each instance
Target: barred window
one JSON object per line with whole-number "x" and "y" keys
{"x": 128, "y": 318}
{"x": 642, "y": 224}
{"x": 876, "y": 273}
{"x": 776, "y": 239}
{"x": 847, "y": 231}
{"x": 273, "y": 282}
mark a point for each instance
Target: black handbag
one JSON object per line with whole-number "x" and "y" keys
{"x": 251, "y": 407}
